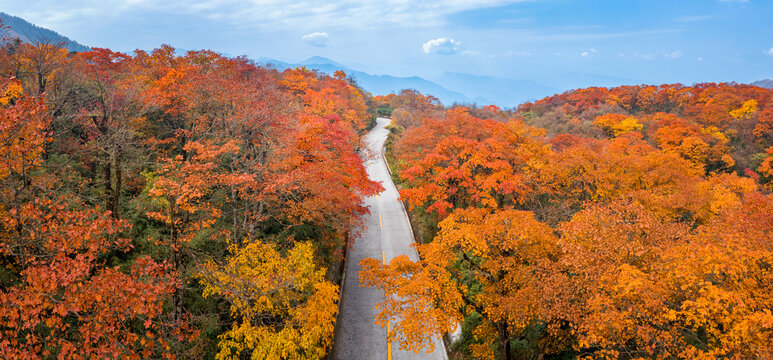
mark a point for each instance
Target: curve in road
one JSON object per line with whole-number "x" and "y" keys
{"x": 387, "y": 234}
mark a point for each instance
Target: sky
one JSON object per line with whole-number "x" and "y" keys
{"x": 650, "y": 41}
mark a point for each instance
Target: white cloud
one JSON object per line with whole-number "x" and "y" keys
{"x": 271, "y": 14}
{"x": 769, "y": 52}
{"x": 588, "y": 52}
{"x": 318, "y": 39}
{"x": 442, "y": 46}
{"x": 674, "y": 54}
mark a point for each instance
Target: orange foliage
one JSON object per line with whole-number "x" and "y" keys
{"x": 23, "y": 130}
{"x": 205, "y": 153}
{"x": 468, "y": 162}
{"x": 640, "y": 244}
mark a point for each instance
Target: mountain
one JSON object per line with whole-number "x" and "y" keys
{"x": 767, "y": 83}
{"x": 319, "y": 60}
{"x": 462, "y": 88}
{"x": 30, "y": 33}
{"x": 497, "y": 91}
{"x": 571, "y": 81}
{"x": 375, "y": 84}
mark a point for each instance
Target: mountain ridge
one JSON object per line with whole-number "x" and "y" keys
{"x": 764, "y": 83}
{"x": 375, "y": 84}
{"x": 28, "y": 32}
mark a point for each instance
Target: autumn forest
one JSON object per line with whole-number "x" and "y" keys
{"x": 199, "y": 206}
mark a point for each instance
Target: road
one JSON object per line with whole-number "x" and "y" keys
{"x": 387, "y": 233}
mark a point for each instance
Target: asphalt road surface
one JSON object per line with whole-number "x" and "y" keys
{"x": 387, "y": 233}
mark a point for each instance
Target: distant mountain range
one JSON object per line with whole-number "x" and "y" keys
{"x": 450, "y": 87}
{"x": 461, "y": 88}
{"x": 491, "y": 90}
{"x": 767, "y": 83}
{"x": 375, "y": 84}
{"x": 17, "y": 27}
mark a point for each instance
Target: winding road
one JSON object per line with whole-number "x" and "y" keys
{"x": 387, "y": 234}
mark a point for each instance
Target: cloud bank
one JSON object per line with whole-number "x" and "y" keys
{"x": 266, "y": 14}
{"x": 318, "y": 39}
{"x": 442, "y": 46}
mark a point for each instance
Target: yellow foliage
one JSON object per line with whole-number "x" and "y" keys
{"x": 627, "y": 125}
{"x": 260, "y": 283}
{"x": 12, "y": 91}
{"x": 616, "y": 124}
{"x": 746, "y": 108}
{"x": 714, "y": 132}
{"x": 728, "y": 160}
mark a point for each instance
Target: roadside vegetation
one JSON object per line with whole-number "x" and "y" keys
{"x": 162, "y": 206}
{"x": 626, "y": 223}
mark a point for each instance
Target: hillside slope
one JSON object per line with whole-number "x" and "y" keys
{"x": 31, "y": 33}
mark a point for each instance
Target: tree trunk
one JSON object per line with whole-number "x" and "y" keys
{"x": 107, "y": 173}
{"x": 118, "y": 183}
{"x": 504, "y": 342}
{"x": 41, "y": 84}
{"x": 235, "y": 215}
{"x": 177, "y": 300}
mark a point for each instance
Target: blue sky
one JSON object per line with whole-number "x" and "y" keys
{"x": 652, "y": 41}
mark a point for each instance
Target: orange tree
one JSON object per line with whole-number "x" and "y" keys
{"x": 631, "y": 261}
{"x": 481, "y": 264}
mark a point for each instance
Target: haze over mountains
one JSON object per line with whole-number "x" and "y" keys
{"x": 449, "y": 87}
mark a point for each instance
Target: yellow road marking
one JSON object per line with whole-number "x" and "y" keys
{"x": 389, "y": 323}
{"x": 389, "y": 343}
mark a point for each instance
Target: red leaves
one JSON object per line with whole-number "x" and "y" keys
{"x": 318, "y": 177}
{"x": 468, "y": 162}
{"x": 65, "y": 299}
{"x": 23, "y": 129}
{"x": 210, "y": 149}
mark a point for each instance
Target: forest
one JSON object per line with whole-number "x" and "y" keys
{"x": 157, "y": 205}
{"x": 626, "y": 223}
{"x": 164, "y": 206}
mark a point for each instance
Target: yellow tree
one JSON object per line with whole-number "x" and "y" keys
{"x": 616, "y": 124}
{"x": 285, "y": 309}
